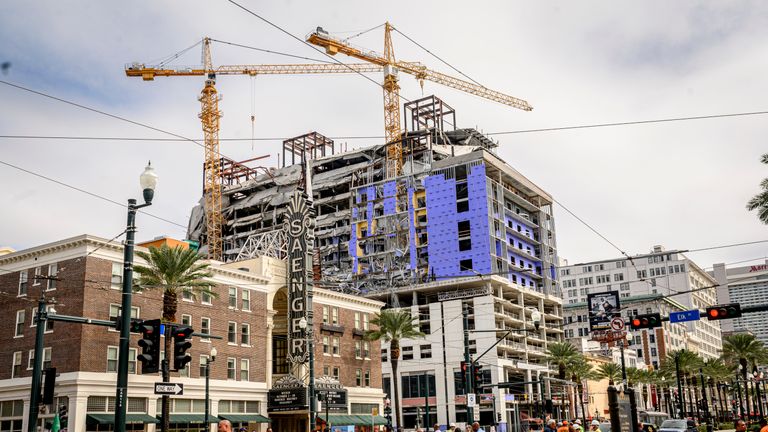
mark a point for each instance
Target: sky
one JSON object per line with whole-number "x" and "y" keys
{"x": 683, "y": 185}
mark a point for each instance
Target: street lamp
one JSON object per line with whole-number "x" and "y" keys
{"x": 208, "y": 362}
{"x": 303, "y": 324}
{"x": 148, "y": 182}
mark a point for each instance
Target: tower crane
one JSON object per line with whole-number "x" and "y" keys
{"x": 210, "y": 116}
{"x": 391, "y": 67}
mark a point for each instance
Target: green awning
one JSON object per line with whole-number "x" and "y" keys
{"x": 108, "y": 418}
{"x": 353, "y": 419}
{"x": 243, "y": 418}
{"x": 367, "y": 419}
{"x": 192, "y": 418}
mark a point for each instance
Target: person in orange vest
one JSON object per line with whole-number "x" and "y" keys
{"x": 564, "y": 427}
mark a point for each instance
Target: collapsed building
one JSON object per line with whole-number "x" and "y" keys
{"x": 458, "y": 229}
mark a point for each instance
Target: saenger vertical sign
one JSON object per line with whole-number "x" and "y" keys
{"x": 299, "y": 225}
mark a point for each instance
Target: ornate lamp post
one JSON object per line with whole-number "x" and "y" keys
{"x": 148, "y": 181}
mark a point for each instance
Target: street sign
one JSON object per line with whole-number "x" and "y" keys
{"x": 617, "y": 323}
{"x": 165, "y": 388}
{"x": 471, "y": 400}
{"x": 689, "y": 315}
{"x": 476, "y": 415}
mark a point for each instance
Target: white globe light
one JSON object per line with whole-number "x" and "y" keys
{"x": 148, "y": 179}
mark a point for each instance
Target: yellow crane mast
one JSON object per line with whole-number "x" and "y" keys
{"x": 210, "y": 116}
{"x": 391, "y": 67}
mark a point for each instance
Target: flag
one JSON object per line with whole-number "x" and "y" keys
{"x": 56, "y": 424}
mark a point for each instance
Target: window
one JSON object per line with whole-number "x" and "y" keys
{"x": 186, "y": 295}
{"x": 279, "y": 355}
{"x": 16, "y": 368}
{"x": 53, "y": 270}
{"x": 384, "y": 356}
{"x": 599, "y": 267}
{"x": 336, "y": 372}
{"x": 358, "y": 377}
{"x": 46, "y": 358}
{"x": 23, "y": 277}
{"x": 464, "y": 229}
{"x": 335, "y": 315}
{"x": 244, "y": 369}
{"x": 653, "y": 352}
{"x": 465, "y": 264}
{"x": 652, "y": 338}
{"x": 358, "y": 349}
{"x": 231, "y": 368}
{"x": 366, "y": 350}
{"x": 48, "y": 323}
{"x": 565, "y": 272}
{"x": 365, "y": 321}
{"x": 246, "y": 300}
{"x": 117, "y": 276}
{"x": 20, "y": 317}
{"x": 618, "y": 277}
{"x": 203, "y": 362}
{"x": 186, "y": 319}
{"x": 326, "y": 345}
{"x": 426, "y": 351}
{"x": 462, "y": 206}
{"x": 335, "y": 346}
{"x": 232, "y": 297}
{"x": 325, "y": 315}
{"x": 205, "y": 327}
{"x": 586, "y": 269}
{"x": 205, "y": 298}
{"x": 357, "y": 320}
{"x": 232, "y": 332}
{"x": 245, "y": 334}
{"x": 36, "y": 277}
{"x": 624, "y": 286}
{"x": 465, "y": 244}
{"x": 407, "y": 353}
{"x": 621, "y": 264}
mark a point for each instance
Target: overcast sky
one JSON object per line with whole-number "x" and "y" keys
{"x": 680, "y": 184}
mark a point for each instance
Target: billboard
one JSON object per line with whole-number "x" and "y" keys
{"x": 603, "y": 307}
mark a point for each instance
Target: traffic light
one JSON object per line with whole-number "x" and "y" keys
{"x": 464, "y": 370}
{"x": 48, "y": 386}
{"x": 181, "y": 344}
{"x": 150, "y": 344}
{"x": 63, "y": 417}
{"x": 724, "y": 311}
{"x": 477, "y": 376}
{"x": 647, "y": 321}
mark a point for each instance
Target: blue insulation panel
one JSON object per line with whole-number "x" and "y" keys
{"x": 390, "y": 190}
{"x": 442, "y": 227}
{"x": 412, "y": 229}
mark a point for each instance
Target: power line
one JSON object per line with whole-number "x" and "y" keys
{"x": 95, "y": 195}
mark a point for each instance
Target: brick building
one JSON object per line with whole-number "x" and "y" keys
{"x": 249, "y": 314}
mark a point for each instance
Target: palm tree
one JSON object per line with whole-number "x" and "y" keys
{"x": 562, "y": 354}
{"x": 689, "y": 363}
{"x": 394, "y": 325}
{"x": 717, "y": 372}
{"x": 743, "y": 349}
{"x": 174, "y": 271}
{"x": 610, "y": 371}
{"x": 580, "y": 369}
{"x": 759, "y": 202}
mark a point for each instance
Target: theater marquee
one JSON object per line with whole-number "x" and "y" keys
{"x": 300, "y": 228}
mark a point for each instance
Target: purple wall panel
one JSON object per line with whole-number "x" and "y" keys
{"x": 390, "y": 190}
{"x": 412, "y": 229}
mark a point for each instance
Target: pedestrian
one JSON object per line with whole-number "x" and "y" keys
{"x": 476, "y": 427}
{"x": 563, "y": 427}
{"x": 452, "y": 428}
{"x": 225, "y": 426}
{"x": 741, "y": 426}
{"x": 550, "y": 426}
{"x": 436, "y": 428}
{"x": 269, "y": 429}
{"x": 577, "y": 425}
{"x": 468, "y": 428}
{"x": 763, "y": 425}
{"x": 595, "y": 426}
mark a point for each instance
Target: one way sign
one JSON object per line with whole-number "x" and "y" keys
{"x": 164, "y": 388}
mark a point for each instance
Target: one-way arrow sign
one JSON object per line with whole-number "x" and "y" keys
{"x": 165, "y": 388}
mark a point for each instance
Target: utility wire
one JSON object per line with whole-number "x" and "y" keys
{"x": 355, "y": 137}
{"x": 437, "y": 57}
{"x": 270, "y": 23}
{"x": 101, "y": 197}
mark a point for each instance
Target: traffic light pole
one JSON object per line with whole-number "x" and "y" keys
{"x": 34, "y": 397}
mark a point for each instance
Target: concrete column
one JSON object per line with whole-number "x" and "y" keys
{"x": 78, "y": 408}
{"x": 270, "y": 328}
{"x": 25, "y": 420}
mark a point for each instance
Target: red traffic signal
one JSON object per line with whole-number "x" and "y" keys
{"x": 181, "y": 344}
{"x": 647, "y": 321}
{"x": 725, "y": 311}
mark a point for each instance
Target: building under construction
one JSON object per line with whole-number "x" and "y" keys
{"x": 458, "y": 226}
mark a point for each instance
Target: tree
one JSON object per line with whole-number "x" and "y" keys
{"x": 174, "y": 271}
{"x": 759, "y": 202}
{"x": 717, "y": 372}
{"x": 394, "y": 325}
{"x": 580, "y": 369}
{"x": 689, "y": 362}
{"x": 743, "y": 349}
{"x": 562, "y": 354}
{"x": 609, "y": 371}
